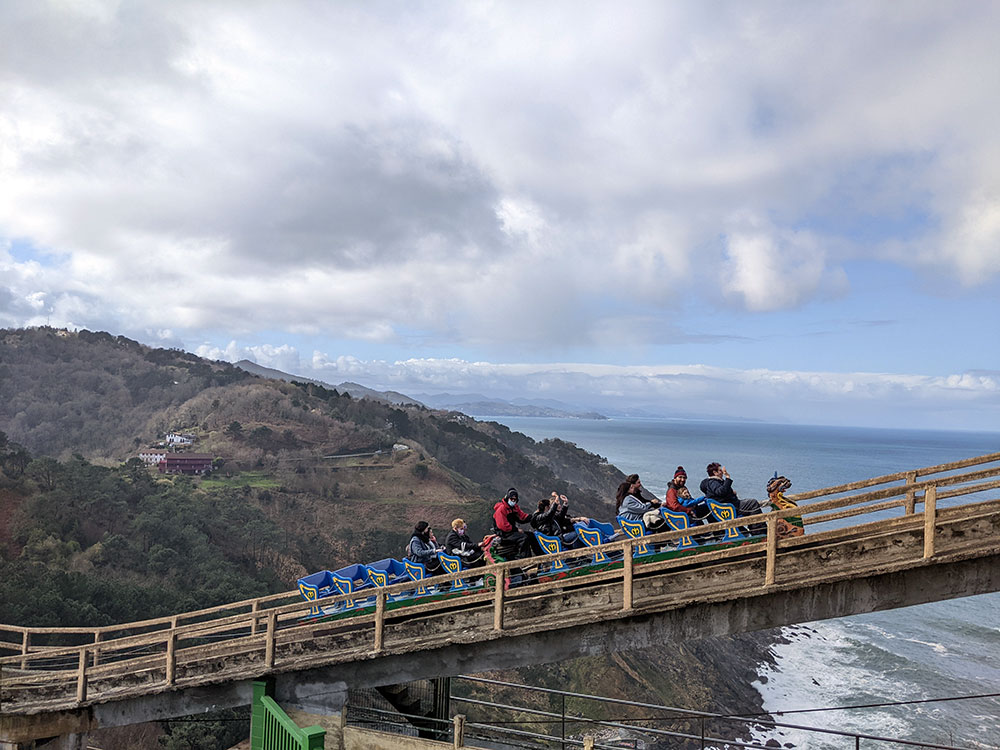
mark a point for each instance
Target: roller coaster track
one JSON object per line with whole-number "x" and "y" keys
{"x": 941, "y": 520}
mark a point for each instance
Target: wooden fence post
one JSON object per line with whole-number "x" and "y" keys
{"x": 772, "y": 550}
{"x": 25, "y": 645}
{"x": 498, "y": 599}
{"x": 458, "y": 720}
{"x": 627, "y": 575}
{"x": 97, "y": 647}
{"x": 272, "y": 622}
{"x": 911, "y": 495}
{"x": 930, "y": 517}
{"x": 379, "y": 618}
{"x": 588, "y": 742}
{"x": 171, "y": 656}
{"x": 254, "y": 610}
{"x": 81, "y": 677}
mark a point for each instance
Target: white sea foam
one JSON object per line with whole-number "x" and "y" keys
{"x": 819, "y": 668}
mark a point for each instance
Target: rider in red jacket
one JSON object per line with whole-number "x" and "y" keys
{"x": 506, "y": 515}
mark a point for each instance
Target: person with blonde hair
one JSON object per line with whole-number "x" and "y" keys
{"x": 458, "y": 543}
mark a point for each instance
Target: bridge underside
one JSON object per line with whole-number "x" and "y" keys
{"x": 323, "y": 690}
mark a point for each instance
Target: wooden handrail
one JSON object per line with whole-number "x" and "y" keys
{"x": 896, "y": 477}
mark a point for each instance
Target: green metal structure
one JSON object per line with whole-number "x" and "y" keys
{"x": 271, "y": 729}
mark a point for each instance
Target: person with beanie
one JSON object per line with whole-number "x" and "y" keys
{"x": 514, "y": 543}
{"x": 679, "y": 498}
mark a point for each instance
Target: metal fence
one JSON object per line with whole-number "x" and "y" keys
{"x": 523, "y": 716}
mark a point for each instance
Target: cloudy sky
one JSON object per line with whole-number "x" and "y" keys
{"x": 776, "y": 210}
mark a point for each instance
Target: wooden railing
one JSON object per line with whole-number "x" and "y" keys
{"x": 274, "y": 633}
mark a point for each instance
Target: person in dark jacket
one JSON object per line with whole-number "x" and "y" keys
{"x": 552, "y": 518}
{"x": 423, "y": 548}
{"x": 544, "y": 519}
{"x": 718, "y": 485}
{"x": 458, "y": 543}
{"x": 514, "y": 543}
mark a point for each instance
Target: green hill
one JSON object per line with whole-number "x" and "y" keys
{"x": 307, "y": 478}
{"x": 287, "y": 451}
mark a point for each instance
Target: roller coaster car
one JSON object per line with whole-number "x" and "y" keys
{"x": 417, "y": 573}
{"x": 678, "y": 521}
{"x": 530, "y": 570}
{"x": 315, "y": 586}
{"x": 454, "y": 564}
{"x": 347, "y": 580}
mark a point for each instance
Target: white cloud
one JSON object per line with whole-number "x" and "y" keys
{"x": 961, "y": 400}
{"x": 481, "y": 173}
{"x": 771, "y": 269}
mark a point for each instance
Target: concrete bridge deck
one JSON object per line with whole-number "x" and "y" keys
{"x": 904, "y": 539}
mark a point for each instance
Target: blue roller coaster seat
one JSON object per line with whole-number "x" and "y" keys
{"x": 386, "y": 572}
{"x": 348, "y": 580}
{"x": 678, "y": 521}
{"x": 453, "y": 564}
{"x": 636, "y": 530}
{"x": 316, "y": 586}
{"x": 551, "y": 545}
{"x": 594, "y": 533}
{"x": 725, "y": 512}
{"x": 417, "y": 573}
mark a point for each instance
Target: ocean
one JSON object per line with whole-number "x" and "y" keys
{"x": 940, "y": 650}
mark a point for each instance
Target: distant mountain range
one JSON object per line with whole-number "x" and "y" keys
{"x": 478, "y": 405}
{"x": 356, "y": 391}
{"x": 473, "y": 404}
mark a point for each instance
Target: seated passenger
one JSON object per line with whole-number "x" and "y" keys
{"x": 718, "y": 485}
{"x": 458, "y": 543}
{"x": 514, "y": 544}
{"x": 423, "y": 548}
{"x": 679, "y": 498}
{"x": 630, "y": 504}
{"x": 552, "y": 519}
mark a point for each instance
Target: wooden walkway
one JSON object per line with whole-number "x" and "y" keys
{"x": 925, "y": 517}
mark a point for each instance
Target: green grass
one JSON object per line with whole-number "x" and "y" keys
{"x": 246, "y": 479}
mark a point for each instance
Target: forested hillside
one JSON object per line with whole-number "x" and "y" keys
{"x": 93, "y": 393}
{"x": 89, "y": 523}
{"x": 91, "y": 536}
